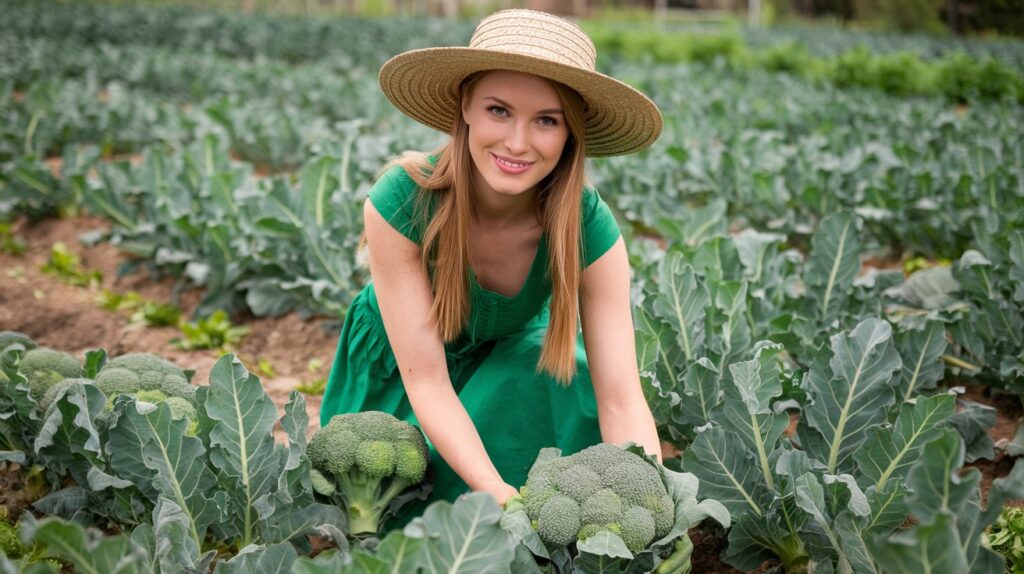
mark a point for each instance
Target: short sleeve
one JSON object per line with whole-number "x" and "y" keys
{"x": 394, "y": 196}
{"x": 597, "y": 225}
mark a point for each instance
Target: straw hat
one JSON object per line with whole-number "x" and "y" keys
{"x": 424, "y": 84}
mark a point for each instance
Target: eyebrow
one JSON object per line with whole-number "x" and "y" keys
{"x": 511, "y": 107}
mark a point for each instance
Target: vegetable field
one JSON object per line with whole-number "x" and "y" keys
{"x": 828, "y": 284}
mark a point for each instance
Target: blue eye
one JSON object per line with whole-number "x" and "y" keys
{"x": 498, "y": 110}
{"x": 548, "y": 121}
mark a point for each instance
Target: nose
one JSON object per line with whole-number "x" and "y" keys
{"x": 517, "y": 138}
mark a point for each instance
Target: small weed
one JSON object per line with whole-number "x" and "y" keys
{"x": 10, "y": 243}
{"x": 67, "y": 266}
{"x": 214, "y": 332}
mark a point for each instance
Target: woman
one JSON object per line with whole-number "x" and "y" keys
{"x": 468, "y": 245}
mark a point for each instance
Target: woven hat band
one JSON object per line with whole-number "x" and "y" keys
{"x": 538, "y": 35}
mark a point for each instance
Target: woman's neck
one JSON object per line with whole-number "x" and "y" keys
{"x": 497, "y": 210}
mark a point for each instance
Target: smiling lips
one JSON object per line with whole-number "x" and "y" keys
{"x": 511, "y": 166}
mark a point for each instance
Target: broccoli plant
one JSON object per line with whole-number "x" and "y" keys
{"x": 364, "y": 462}
{"x": 604, "y": 504}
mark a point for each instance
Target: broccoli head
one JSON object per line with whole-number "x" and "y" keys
{"x": 134, "y": 372}
{"x": 366, "y": 460}
{"x": 44, "y": 368}
{"x": 602, "y": 488}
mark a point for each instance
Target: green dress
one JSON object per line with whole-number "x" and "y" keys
{"x": 493, "y": 363}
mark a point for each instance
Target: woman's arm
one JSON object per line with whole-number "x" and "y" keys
{"x": 607, "y": 321}
{"x": 404, "y": 298}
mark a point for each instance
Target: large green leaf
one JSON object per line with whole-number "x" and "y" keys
{"x": 935, "y": 480}
{"x": 921, "y": 352}
{"x": 933, "y": 548}
{"x": 173, "y": 546}
{"x": 746, "y": 407}
{"x": 833, "y": 265}
{"x": 87, "y": 552}
{"x": 681, "y": 300}
{"x": 275, "y": 559}
{"x": 241, "y": 444}
{"x": 754, "y": 539}
{"x": 463, "y": 537}
{"x": 852, "y": 397}
{"x": 69, "y": 438}
{"x": 810, "y": 497}
{"x": 731, "y": 338}
{"x": 889, "y": 453}
{"x": 293, "y": 489}
{"x": 701, "y": 393}
{"x": 148, "y": 447}
{"x": 726, "y": 472}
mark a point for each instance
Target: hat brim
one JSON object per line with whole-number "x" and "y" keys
{"x": 424, "y": 85}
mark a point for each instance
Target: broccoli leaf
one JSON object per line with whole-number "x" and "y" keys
{"x": 69, "y": 439}
{"x": 260, "y": 560}
{"x": 851, "y": 395}
{"x": 833, "y": 265}
{"x": 601, "y": 553}
{"x": 681, "y": 300}
{"x": 150, "y": 449}
{"x": 463, "y": 537}
{"x": 931, "y": 548}
{"x": 241, "y": 444}
{"x": 87, "y": 552}
{"x": 922, "y": 358}
{"x": 889, "y": 453}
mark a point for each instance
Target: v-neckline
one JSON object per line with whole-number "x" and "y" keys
{"x": 529, "y": 276}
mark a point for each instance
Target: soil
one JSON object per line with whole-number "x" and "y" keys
{"x": 67, "y": 318}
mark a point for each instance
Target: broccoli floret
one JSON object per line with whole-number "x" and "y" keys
{"x": 54, "y": 393}
{"x": 602, "y": 507}
{"x": 10, "y": 544}
{"x": 44, "y": 368}
{"x": 559, "y": 520}
{"x": 364, "y": 461}
{"x": 602, "y": 488}
{"x": 128, "y": 374}
{"x": 637, "y": 528}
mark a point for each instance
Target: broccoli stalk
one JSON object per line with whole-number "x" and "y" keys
{"x": 364, "y": 461}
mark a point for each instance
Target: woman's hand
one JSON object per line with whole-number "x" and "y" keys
{"x": 500, "y": 490}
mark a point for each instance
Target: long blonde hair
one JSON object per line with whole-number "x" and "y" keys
{"x": 445, "y": 246}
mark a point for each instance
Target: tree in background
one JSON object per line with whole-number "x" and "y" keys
{"x": 902, "y": 15}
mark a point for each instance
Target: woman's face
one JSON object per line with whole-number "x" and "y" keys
{"x": 516, "y": 131}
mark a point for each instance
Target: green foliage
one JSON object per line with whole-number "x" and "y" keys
{"x": 367, "y": 463}
{"x": 1006, "y": 537}
{"x": 153, "y": 314}
{"x": 113, "y": 301}
{"x": 214, "y": 332}
{"x": 67, "y": 266}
